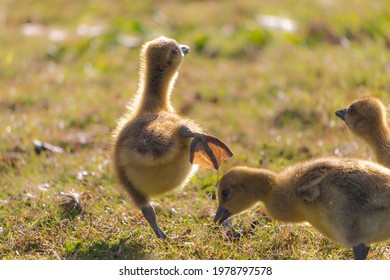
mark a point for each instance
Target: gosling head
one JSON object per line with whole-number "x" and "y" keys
{"x": 163, "y": 55}
{"x": 240, "y": 189}
{"x": 364, "y": 116}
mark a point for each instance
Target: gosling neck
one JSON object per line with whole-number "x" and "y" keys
{"x": 380, "y": 143}
{"x": 262, "y": 182}
{"x": 155, "y": 90}
{"x": 280, "y": 200}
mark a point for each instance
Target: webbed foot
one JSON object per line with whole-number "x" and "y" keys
{"x": 208, "y": 151}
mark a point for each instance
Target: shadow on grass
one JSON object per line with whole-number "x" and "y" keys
{"x": 102, "y": 250}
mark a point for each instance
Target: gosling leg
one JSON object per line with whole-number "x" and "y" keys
{"x": 205, "y": 149}
{"x": 150, "y": 216}
{"x": 360, "y": 251}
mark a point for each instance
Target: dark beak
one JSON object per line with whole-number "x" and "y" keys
{"x": 222, "y": 215}
{"x": 185, "y": 49}
{"x": 341, "y": 114}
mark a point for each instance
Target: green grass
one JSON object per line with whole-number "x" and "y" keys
{"x": 269, "y": 94}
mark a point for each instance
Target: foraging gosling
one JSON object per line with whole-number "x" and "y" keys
{"x": 367, "y": 118}
{"x": 347, "y": 200}
{"x": 152, "y": 148}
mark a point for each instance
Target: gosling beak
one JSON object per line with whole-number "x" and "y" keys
{"x": 341, "y": 114}
{"x": 185, "y": 49}
{"x": 222, "y": 215}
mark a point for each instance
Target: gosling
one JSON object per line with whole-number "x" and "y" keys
{"x": 367, "y": 118}
{"x": 152, "y": 148}
{"x": 347, "y": 200}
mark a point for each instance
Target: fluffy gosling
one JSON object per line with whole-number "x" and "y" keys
{"x": 347, "y": 200}
{"x": 154, "y": 149}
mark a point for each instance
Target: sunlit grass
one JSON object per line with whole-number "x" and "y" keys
{"x": 270, "y": 94}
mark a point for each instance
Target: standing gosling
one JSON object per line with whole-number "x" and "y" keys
{"x": 367, "y": 119}
{"x": 152, "y": 148}
{"x": 345, "y": 199}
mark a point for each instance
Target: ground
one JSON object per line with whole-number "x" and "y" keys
{"x": 267, "y": 86}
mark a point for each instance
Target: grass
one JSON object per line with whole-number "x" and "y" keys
{"x": 271, "y": 95}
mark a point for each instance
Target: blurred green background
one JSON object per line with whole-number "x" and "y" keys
{"x": 264, "y": 76}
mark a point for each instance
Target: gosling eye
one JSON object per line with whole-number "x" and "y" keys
{"x": 225, "y": 193}
{"x": 351, "y": 110}
{"x": 175, "y": 50}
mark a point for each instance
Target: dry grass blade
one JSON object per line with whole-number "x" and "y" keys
{"x": 71, "y": 202}
{"x": 39, "y": 147}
